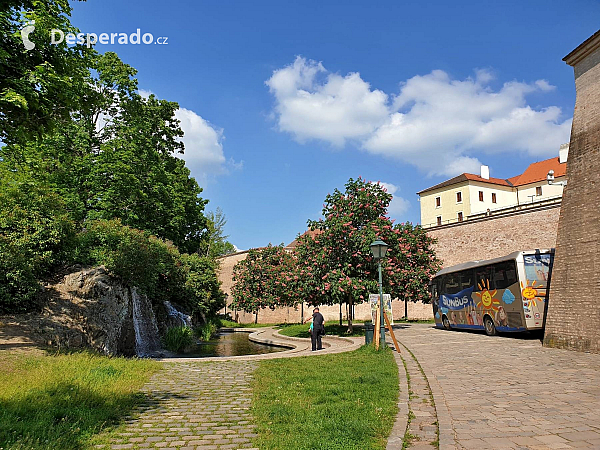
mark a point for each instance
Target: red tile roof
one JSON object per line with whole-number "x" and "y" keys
{"x": 535, "y": 172}
{"x": 311, "y": 233}
{"x": 539, "y": 170}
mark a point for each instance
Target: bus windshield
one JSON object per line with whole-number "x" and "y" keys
{"x": 537, "y": 268}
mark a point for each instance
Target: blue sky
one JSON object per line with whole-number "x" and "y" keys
{"x": 282, "y": 102}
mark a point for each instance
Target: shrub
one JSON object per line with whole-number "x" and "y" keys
{"x": 178, "y": 339}
{"x": 156, "y": 267}
{"x": 206, "y": 331}
{"x": 35, "y": 236}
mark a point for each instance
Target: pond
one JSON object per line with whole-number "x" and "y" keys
{"x": 230, "y": 344}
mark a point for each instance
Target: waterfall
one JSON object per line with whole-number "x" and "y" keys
{"x": 144, "y": 324}
{"x": 183, "y": 319}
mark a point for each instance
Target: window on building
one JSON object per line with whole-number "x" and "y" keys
{"x": 439, "y": 220}
{"x": 493, "y": 197}
{"x": 459, "y": 197}
{"x": 460, "y": 216}
{"x": 538, "y": 191}
{"x": 480, "y": 196}
{"x": 438, "y": 202}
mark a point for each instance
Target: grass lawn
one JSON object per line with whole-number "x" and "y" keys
{"x": 340, "y": 401}
{"x": 63, "y": 401}
{"x": 331, "y": 327}
{"x": 231, "y": 324}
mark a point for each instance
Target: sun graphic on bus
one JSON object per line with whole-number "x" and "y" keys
{"x": 487, "y": 300}
{"x": 531, "y": 292}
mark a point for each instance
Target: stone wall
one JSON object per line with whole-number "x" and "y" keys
{"x": 573, "y": 318}
{"x": 497, "y": 236}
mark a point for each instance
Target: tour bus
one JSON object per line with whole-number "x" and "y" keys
{"x": 503, "y": 294}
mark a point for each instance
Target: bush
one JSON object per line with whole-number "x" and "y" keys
{"x": 206, "y": 331}
{"x": 178, "y": 339}
{"x": 156, "y": 267}
{"x": 35, "y": 237}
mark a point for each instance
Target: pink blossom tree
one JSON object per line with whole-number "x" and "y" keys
{"x": 334, "y": 262}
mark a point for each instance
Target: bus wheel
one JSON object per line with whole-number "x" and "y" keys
{"x": 446, "y": 323}
{"x": 490, "y": 328}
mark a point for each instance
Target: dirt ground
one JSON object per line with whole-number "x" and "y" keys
{"x": 15, "y": 338}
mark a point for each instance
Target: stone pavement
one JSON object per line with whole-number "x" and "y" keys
{"x": 203, "y": 403}
{"x": 193, "y": 405}
{"x": 507, "y": 392}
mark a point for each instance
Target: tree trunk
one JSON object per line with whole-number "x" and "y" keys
{"x": 340, "y": 314}
{"x": 350, "y": 304}
{"x": 256, "y": 317}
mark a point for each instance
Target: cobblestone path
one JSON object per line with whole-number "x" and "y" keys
{"x": 422, "y": 426}
{"x": 193, "y": 405}
{"x": 507, "y": 392}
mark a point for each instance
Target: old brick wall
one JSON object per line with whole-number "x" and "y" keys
{"x": 573, "y": 319}
{"x": 497, "y": 236}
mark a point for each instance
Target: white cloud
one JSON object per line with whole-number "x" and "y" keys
{"x": 331, "y": 108}
{"x": 204, "y": 154}
{"x": 398, "y": 205}
{"x": 436, "y": 123}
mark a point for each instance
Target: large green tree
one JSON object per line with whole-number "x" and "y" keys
{"x": 38, "y": 87}
{"x": 118, "y": 158}
{"x": 335, "y": 264}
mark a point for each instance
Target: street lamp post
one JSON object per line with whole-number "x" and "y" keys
{"x": 379, "y": 250}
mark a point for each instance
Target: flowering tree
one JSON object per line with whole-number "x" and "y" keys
{"x": 266, "y": 278}
{"x": 334, "y": 262}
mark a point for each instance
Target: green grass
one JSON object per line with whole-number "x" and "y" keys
{"x": 231, "y": 324}
{"x": 331, "y": 328}
{"x": 341, "y": 401}
{"x": 64, "y": 401}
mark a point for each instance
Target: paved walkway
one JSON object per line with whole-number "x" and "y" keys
{"x": 507, "y": 392}
{"x": 203, "y": 403}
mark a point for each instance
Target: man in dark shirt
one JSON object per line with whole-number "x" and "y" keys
{"x": 317, "y": 330}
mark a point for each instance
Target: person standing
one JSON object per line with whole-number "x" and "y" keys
{"x": 317, "y": 329}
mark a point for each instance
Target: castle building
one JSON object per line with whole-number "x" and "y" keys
{"x": 468, "y": 196}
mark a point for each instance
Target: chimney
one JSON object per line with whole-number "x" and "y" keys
{"x": 485, "y": 172}
{"x": 563, "y": 153}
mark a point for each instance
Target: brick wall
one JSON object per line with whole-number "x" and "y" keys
{"x": 573, "y": 319}
{"x": 497, "y": 236}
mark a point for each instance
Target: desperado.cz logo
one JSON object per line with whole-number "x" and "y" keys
{"x": 90, "y": 39}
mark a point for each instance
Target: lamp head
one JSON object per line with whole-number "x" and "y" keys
{"x": 378, "y": 249}
{"x": 550, "y": 176}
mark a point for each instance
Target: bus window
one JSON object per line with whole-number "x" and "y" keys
{"x": 483, "y": 278}
{"x": 505, "y": 274}
{"x": 452, "y": 283}
{"x": 467, "y": 279}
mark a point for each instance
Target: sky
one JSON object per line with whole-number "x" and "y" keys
{"x": 282, "y": 102}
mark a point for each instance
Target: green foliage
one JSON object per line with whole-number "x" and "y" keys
{"x": 332, "y": 328}
{"x": 177, "y": 339}
{"x": 153, "y": 265}
{"x": 35, "y": 232}
{"x": 264, "y": 279}
{"x": 206, "y": 331}
{"x": 50, "y": 402}
{"x": 217, "y": 240}
{"x": 343, "y": 401}
{"x": 335, "y": 264}
{"x": 39, "y": 89}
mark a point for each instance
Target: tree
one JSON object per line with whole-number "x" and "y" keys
{"x": 116, "y": 158}
{"x": 37, "y": 86}
{"x": 335, "y": 264}
{"x": 266, "y": 278}
{"x": 217, "y": 245}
